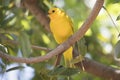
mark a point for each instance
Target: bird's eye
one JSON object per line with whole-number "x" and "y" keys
{"x": 53, "y": 11}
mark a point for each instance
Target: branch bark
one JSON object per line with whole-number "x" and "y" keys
{"x": 91, "y": 66}
{"x": 33, "y": 7}
{"x": 103, "y": 71}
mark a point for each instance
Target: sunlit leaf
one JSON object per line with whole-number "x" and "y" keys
{"x": 3, "y": 48}
{"x": 26, "y": 24}
{"x": 46, "y": 39}
{"x": 115, "y": 66}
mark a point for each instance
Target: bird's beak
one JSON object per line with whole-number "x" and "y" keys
{"x": 48, "y": 14}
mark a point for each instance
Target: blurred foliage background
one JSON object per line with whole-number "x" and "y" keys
{"x": 18, "y": 25}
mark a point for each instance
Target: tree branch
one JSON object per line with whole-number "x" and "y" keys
{"x": 32, "y": 6}
{"x": 13, "y": 42}
{"x": 90, "y": 66}
{"x": 103, "y": 71}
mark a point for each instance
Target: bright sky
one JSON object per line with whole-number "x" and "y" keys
{"x": 26, "y": 73}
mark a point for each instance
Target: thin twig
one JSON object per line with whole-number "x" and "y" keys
{"x": 13, "y": 42}
{"x": 112, "y": 20}
{"x": 41, "y": 48}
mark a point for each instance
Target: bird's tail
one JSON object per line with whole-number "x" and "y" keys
{"x": 68, "y": 56}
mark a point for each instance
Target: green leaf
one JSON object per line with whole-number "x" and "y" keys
{"x": 56, "y": 71}
{"x": 118, "y": 18}
{"x": 25, "y": 44}
{"x": 2, "y": 67}
{"x": 77, "y": 59}
{"x": 69, "y": 71}
{"x": 117, "y": 50}
{"x": 6, "y": 20}
{"x": 3, "y": 48}
{"x": 63, "y": 71}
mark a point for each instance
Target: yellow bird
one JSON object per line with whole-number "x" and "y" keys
{"x": 62, "y": 28}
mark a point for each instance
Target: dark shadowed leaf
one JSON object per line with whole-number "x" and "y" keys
{"x": 63, "y": 71}
{"x": 117, "y": 51}
{"x": 7, "y": 19}
{"x": 118, "y": 18}
{"x": 56, "y": 71}
{"x": 14, "y": 68}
